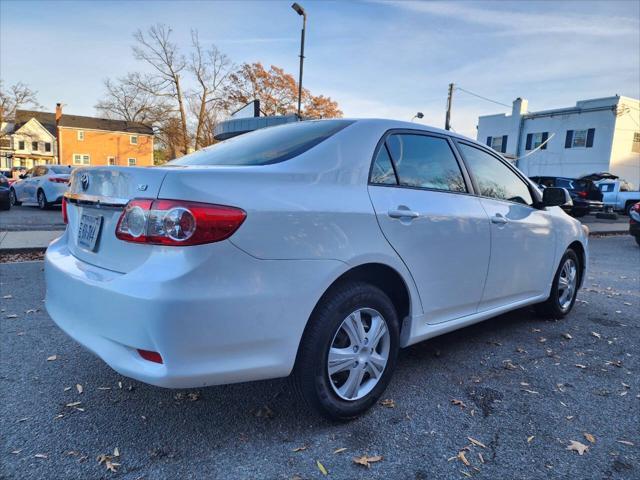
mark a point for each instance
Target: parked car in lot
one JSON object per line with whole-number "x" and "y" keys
{"x": 316, "y": 249}
{"x": 43, "y": 185}
{"x": 619, "y": 194}
{"x": 5, "y": 203}
{"x": 634, "y": 222}
{"x": 586, "y": 196}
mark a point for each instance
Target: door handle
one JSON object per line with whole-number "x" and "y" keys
{"x": 401, "y": 212}
{"x": 499, "y": 219}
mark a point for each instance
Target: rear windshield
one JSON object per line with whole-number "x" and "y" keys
{"x": 60, "y": 169}
{"x": 267, "y": 145}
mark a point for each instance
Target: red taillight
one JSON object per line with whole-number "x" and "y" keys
{"x": 150, "y": 356}
{"x": 175, "y": 222}
{"x": 65, "y": 218}
{"x": 582, "y": 194}
{"x": 58, "y": 180}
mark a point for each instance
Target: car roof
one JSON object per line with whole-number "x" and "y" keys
{"x": 400, "y": 124}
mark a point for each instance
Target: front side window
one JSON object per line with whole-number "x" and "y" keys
{"x": 494, "y": 178}
{"x": 267, "y": 145}
{"x": 425, "y": 162}
{"x": 382, "y": 172}
{"x": 606, "y": 187}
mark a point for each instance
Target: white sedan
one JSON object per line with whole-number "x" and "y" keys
{"x": 315, "y": 249}
{"x": 42, "y": 185}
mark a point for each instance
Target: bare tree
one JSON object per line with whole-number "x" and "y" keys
{"x": 156, "y": 49}
{"x": 14, "y": 98}
{"x": 211, "y": 69}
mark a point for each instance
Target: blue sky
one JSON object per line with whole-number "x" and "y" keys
{"x": 377, "y": 59}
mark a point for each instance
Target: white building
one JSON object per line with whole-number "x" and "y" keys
{"x": 599, "y": 135}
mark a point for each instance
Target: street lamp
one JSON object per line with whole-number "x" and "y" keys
{"x": 418, "y": 115}
{"x": 300, "y": 11}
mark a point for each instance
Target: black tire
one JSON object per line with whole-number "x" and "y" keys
{"x": 311, "y": 377}
{"x": 42, "y": 200}
{"x": 628, "y": 206}
{"x": 637, "y": 240}
{"x": 578, "y": 212}
{"x": 13, "y": 199}
{"x": 551, "y": 308}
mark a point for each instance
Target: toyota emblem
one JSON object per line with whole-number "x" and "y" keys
{"x": 84, "y": 180}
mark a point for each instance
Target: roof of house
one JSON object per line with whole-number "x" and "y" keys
{"x": 48, "y": 121}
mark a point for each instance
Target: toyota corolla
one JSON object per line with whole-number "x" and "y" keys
{"x": 314, "y": 250}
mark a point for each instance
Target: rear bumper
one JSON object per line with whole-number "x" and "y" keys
{"x": 216, "y": 316}
{"x": 590, "y": 206}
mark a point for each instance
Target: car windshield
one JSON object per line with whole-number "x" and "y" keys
{"x": 267, "y": 145}
{"x": 60, "y": 169}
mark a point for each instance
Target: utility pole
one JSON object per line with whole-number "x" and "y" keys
{"x": 447, "y": 120}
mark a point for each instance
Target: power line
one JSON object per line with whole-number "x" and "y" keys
{"x": 483, "y": 98}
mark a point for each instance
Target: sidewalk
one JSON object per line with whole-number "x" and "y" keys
{"x": 27, "y": 241}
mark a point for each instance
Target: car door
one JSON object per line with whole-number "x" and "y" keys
{"x": 522, "y": 238}
{"x": 420, "y": 195}
{"x": 21, "y": 187}
{"x": 31, "y": 186}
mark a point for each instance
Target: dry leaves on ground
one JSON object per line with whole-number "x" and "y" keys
{"x": 321, "y": 468}
{"x": 108, "y": 461}
{"x": 388, "y": 403}
{"x": 458, "y": 403}
{"x": 366, "y": 460}
{"x": 300, "y": 449}
{"x": 476, "y": 442}
{"x": 578, "y": 447}
{"x": 339, "y": 450}
{"x": 52, "y": 358}
{"x": 41, "y": 455}
{"x": 79, "y": 388}
{"x": 590, "y": 438}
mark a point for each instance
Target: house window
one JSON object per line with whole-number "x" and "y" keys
{"x": 21, "y": 145}
{"x": 47, "y": 146}
{"x": 635, "y": 146}
{"x": 132, "y": 162}
{"x": 580, "y": 138}
{"x": 34, "y": 146}
{"x": 111, "y": 160}
{"x": 80, "y": 135}
{"x": 534, "y": 140}
{"x": 81, "y": 159}
{"x": 5, "y": 143}
{"x": 133, "y": 139}
{"x": 499, "y": 143}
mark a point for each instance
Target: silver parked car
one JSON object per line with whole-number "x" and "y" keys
{"x": 43, "y": 185}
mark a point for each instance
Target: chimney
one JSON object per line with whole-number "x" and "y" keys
{"x": 58, "y": 112}
{"x": 520, "y": 107}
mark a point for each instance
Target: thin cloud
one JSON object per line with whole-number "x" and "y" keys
{"x": 526, "y": 23}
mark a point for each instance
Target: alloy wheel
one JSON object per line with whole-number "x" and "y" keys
{"x": 41, "y": 201}
{"x": 358, "y": 354}
{"x": 567, "y": 283}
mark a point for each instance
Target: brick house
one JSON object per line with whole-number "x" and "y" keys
{"x": 99, "y": 141}
{"x": 34, "y": 138}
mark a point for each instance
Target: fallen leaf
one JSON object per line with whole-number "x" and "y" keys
{"x": 481, "y": 458}
{"x": 7, "y": 296}
{"x": 12, "y": 315}
{"x": 461, "y": 456}
{"x": 596, "y": 334}
{"x": 116, "y": 452}
{"x": 79, "y": 388}
{"x": 16, "y": 452}
{"x": 366, "y": 460}
{"x": 321, "y": 468}
{"x": 458, "y": 403}
{"x": 73, "y": 404}
{"x": 530, "y": 439}
{"x": 388, "y": 403}
{"x": 625, "y": 442}
{"x": 567, "y": 336}
{"x": 529, "y": 391}
{"x": 31, "y": 310}
{"x": 590, "y": 438}
{"x": 104, "y": 388}
{"x": 339, "y": 450}
{"x": 580, "y": 365}
{"x": 300, "y": 449}
{"x": 52, "y": 358}
{"x": 41, "y": 455}
{"x": 476, "y": 442}
{"x": 578, "y": 447}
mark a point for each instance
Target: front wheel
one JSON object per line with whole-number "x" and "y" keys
{"x": 13, "y": 198}
{"x": 564, "y": 288}
{"x": 348, "y": 351}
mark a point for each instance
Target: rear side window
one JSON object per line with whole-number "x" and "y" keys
{"x": 267, "y": 145}
{"x": 565, "y": 183}
{"x": 382, "y": 172}
{"x": 494, "y": 178}
{"x": 425, "y": 162}
{"x": 60, "y": 169}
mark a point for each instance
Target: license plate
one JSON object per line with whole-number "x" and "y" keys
{"x": 89, "y": 231}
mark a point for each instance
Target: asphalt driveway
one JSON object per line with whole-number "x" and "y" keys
{"x": 502, "y": 399}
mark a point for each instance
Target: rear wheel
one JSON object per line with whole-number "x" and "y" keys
{"x": 628, "y": 207}
{"x": 13, "y": 199}
{"x": 42, "y": 200}
{"x": 348, "y": 351}
{"x": 564, "y": 288}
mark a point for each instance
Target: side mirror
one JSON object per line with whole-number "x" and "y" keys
{"x": 556, "y": 197}
{"x": 23, "y": 176}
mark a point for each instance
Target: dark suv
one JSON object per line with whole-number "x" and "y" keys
{"x": 586, "y": 196}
